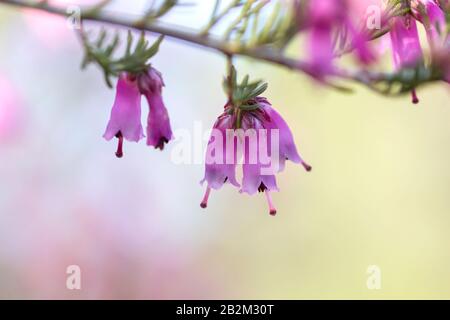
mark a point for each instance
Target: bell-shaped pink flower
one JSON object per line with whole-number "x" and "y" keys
{"x": 159, "y": 131}
{"x": 125, "y": 120}
{"x": 429, "y": 13}
{"x": 406, "y": 48}
{"x": 321, "y": 51}
{"x": 324, "y": 19}
{"x": 287, "y": 147}
{"x": 220, "y": 163}
{"x": 265, "y": 141}
{"x": 274, "y": 145}
{"x": 254, "y": 178}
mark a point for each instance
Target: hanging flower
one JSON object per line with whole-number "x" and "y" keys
{"x": 159, "y": 131}
{"x": 406, "y": 48}
{"x": 125, "y": 121}
{"x": 258, "y": 133}
{"x": 324, "y": 19}
{"x": 273, "y": 139}
{"x": 220, "y": 165}
{"x": 433, "y": 18}
{"x": 287, "y": 147}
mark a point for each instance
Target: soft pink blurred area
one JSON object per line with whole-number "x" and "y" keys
{"x": 48, "y": 28}
{"x": 118, "y": 234}
{"x": 11, "y": 112}
{"x": 361, "y": 8}
{"x": 121, "y": 257}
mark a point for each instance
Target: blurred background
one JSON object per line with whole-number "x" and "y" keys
{"x": 378, "y": 193}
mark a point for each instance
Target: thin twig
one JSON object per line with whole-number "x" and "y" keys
{"x": 194, "y": 37}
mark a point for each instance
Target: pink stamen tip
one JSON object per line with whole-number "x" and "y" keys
{"x": 415, "y": 99}
{"x": 204, "y": 202}
{"x": 119, "y": 152}
{"x": 306, "y": 166}
{"x": 272, "y": 209}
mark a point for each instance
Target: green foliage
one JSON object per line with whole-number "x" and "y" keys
{"x": 155, "y": 12}
{"x": 243, "y": 93}
{"x": 133, "y": 61}
{"x": 248, "y": 31}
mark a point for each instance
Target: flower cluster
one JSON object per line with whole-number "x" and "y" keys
{"x": 261, "y": 137}
{"x": 404, "y": 34}
{"x": 336, "y": 27}
{"x": 125, "y": 121}
{"x": 249, "y": 131}
{"x": 323, "y": 19}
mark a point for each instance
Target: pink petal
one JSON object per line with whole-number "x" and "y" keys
{"x": 126, "y": 111}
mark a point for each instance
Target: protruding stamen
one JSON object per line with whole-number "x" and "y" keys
{"x": 272, "y": 209}
{"x": 119, "y": 152}
{"x": 415, "y": 99}
{"x": 204, "y": 203}
{"x": 306, "y": 166}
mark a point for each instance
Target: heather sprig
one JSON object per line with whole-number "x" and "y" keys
{"x": 133, "y": 61}
{"x": 267, "y": 31}
{"x": 243, "y": 92}
{"x": 259, "y": 29}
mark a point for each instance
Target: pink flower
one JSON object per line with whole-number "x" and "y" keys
{"x": 125, "y": 121}
{"x": 324, "y": 19}
{"x": 287, "y": 148}
{"x": 254, "y": 178}
{"x": 219, "y": 169}
{"x": 265, "y": 141}
{"x": 406, "y": 48}
{"x": 405, "y": 41}
{"x": 159, "y": 131}
{"x": 321, "y": 51}
{"x": 432, "y": 17}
